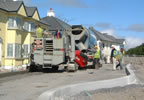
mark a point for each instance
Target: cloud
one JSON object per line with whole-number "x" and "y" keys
{"x": 27, "y": 2}
{"x": 110, "y": 32}
{"x": 132, "y": 27}
{"x": 67, "y": 3}
{"x": 136, "y": 27}
{"x": 132, "y": 42}
{"x": 103, "y": 25}
{"x": 71, "y": 3}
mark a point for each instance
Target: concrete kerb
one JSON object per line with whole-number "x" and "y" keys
{"x": 7, "y": 74}
{"x": 71, "y": 90}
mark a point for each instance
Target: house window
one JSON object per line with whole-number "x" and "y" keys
{"x": 33, "y": 27}
{"x": 11, "y": 22}
{"x": 29, "y": 26}
{"x": 17, "y": 50}
{"x": 26, "y": 26}
{"x": 9, "y": 50}
{"x": 14, "y": 22}
{"x": 25, "y": 50}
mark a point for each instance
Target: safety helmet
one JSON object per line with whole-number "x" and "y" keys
{"x": 112, "y": 46}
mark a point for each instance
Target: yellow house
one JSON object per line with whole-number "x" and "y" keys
{"x": 17, "y": 31}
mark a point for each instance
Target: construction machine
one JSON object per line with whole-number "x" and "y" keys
{"x": 67, "y": 51}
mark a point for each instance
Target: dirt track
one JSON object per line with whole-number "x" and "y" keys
{"x": 131, "y": 92}
{"x": 29, "y": 86}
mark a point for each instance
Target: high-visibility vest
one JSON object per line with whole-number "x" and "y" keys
{"x": 119, "y": 56}
{"x": 115, "y": 53}
{"x": 97, "y": 54}
{"x": 39, "y": 32}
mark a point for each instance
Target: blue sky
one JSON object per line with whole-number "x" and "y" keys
{"x": 121, "y": 18}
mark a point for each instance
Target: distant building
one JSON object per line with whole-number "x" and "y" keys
{"x": 107, "y": 41}
{"x": 55, "y": 23}
{"x": 51, "y": 13}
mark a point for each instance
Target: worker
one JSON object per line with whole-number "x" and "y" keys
{"x": 45, "y": 33}
{"x": 114, "y": 53}
{"x": 119, "y": 58}
{"x": 58, "y": 34}
{"x": 39, "y": 31}
{"x": 96, "y": 61}
{"x": 111, "y": 57}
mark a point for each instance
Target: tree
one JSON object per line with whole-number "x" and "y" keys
{"x": 139, "y": 50}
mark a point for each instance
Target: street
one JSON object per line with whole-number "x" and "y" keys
{"x": 29, "y": 86}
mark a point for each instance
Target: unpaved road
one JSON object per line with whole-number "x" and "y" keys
{"x": 131, "y": 92}
{"x": 29, "y": 86}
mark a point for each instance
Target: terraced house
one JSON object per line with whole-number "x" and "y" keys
{"x": 17, "y": 31}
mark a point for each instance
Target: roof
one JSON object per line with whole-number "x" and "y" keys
{"x": 120, "y": 40}
{"x": 13, "y": 6}
{"x": 106, "y": 37}
{"x": 10, "y": 6}
{"x": 55, "y": 23}
{"x": 114, "y": 39}
{"x": 30, "y": 11}
{"x": 99, "y": 35}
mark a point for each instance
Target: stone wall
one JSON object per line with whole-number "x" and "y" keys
{"x": 134, "y": 60}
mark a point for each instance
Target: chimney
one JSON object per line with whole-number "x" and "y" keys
{"x": 51, "y": 13}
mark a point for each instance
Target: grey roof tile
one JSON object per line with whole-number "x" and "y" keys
{"x": 99, "y": 35}
{"x": 55, "y": 23}
{"x": 106, "y": 37}
{"x": 120, "y": 40}
{"x": 30, "y": 11}
{"x": 10, "y": 6}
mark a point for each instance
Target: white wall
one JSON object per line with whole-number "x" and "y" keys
{"x": 107, "y": 49}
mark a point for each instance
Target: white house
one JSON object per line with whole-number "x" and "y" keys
{"x": 107, "y": 41}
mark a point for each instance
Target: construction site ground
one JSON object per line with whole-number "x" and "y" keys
{"x": 130, "y": 92}
{"x": 29, "y": 86}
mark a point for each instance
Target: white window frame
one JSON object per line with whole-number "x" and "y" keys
{"x": 14, "y": 51}
{"x": 30, "y": 26}
{"x": 16, "y": 23}
{"x": 10, "y": 56}
{"x": 26, "y": 26}
{"x": 17, "y": 50}
{"x": 25, "y": 52}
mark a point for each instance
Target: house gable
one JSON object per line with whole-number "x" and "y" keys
{"x": 36, "y": 15}
{"x": 22, "y": 11}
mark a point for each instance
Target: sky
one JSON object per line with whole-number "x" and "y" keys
{"x": 120, "y": 18}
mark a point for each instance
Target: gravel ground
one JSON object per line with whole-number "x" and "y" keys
{"x": 131, "y": 92}
{"x": 29, "y": 86}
